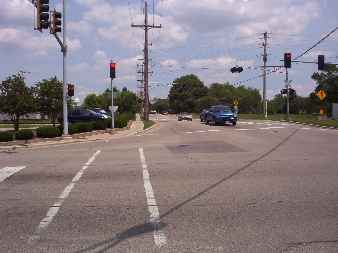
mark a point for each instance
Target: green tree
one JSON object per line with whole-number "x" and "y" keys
{"x": 205, "y": 102}
{"x": 126, "y": 100}
{"x": 185, "y": 92}
{"x": 327, "y": 81}
{"x": 50, "y": 98}
{"x": 93, "y": 101}
{"x": 16, "y": 99}
{"x": 249, "y": 99}
{"x": 160, "y": 105}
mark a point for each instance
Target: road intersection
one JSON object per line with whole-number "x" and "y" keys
{"x": 179, "y": 187}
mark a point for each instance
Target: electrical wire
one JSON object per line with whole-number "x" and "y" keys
{"x": 315, "y": 45}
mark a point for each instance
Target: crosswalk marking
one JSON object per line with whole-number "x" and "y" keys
{"x": 9, "y": 171}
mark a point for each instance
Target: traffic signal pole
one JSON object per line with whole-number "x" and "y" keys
{"x": 287, "y": 84}
{"x": 64, "y": 53}
{"x": 112, "y": 105}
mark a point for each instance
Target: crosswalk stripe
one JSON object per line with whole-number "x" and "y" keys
{"x": 9, "y": 171}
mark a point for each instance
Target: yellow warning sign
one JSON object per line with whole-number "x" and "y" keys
{"x": 321, "y": 94}
{"x": 236, "y": 102}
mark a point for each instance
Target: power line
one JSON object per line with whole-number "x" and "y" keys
{"x": 315, "y": 45}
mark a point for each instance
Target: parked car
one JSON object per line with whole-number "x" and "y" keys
{"x": 221, "y": 114}
{"x": 84, "y": 115}
{"x": 152, "y": 112}
{"x": 203, "y": 115}
{"x": 184, "y": 116}
{"x": 103, "y": 112}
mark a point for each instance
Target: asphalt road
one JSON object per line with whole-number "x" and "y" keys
{"x": 180, "y": 187}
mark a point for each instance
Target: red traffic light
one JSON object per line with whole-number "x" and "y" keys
{"x": 112, "y": 67}
{"x": 287, "y": 60}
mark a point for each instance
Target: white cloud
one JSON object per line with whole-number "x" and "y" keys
{"x": 16, "y": 38}
{"x": 81, "y": 26}
{"x": 169, "y": 63}
{"x": 16, "y": 10}
{"x": 229, "y": 18}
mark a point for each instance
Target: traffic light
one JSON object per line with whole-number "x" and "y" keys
{"x": 112, "y": 67}
{"x": 236, "y": 69}
{"x": 321, "y": 62}
{"x": 56, "y": 22}
{"x": 287, "y": 60}
{"x": 71, "y": 89}
{"x": 42, "y": 14}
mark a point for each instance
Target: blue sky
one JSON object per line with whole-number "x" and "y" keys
{"x": 196, "y": 34}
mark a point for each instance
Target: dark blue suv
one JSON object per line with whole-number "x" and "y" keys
{"x": 221, "y": 114}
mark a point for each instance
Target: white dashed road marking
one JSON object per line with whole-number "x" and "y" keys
{"x": 159, "y": 237}
{"x": 9, "y": 171}
{"x": 268, "y": 128}
{"x": 54, "y": 209}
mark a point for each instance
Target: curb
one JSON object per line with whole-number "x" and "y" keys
{"x": 148, "y": 129}
{"x": 75, "y": 138}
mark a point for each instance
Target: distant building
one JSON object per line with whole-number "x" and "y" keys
{"x": 36, "y": 116}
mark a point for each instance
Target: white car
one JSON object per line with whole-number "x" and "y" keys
{"x": 184, "y": 116}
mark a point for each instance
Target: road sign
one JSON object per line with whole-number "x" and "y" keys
{"x": 236, "y": 102}
{"x": 321, "y": 94}
{"x": 115, "y": 108}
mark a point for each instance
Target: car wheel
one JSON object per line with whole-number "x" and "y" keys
{"x": 234, "y": 123}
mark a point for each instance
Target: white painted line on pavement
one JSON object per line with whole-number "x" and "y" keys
{"x": 244, "y": 129}
{"x": 214, "y": 130}
{"x": 189, "y": 132}
{"x": 9, "y": 171}
{"x": 159, "y": 237}
{"x": 54, "y": 209}
{"x": 268, "y": 128}
{"x": 306, "y": 128}
{"x": 200, "y": 131}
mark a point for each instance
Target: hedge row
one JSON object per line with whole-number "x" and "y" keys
{"x": 25, "y": 134}
{"x": 121, "y": 121}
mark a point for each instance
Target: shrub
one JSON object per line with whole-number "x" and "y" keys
{"x": 81, "y": 127}
{"x": 100, "y": 125}
{"x": 6, "y": 136}
{"x": 123, "y": 118}
{"x": 48, "y": 132}
{"x": 24, "y": 134}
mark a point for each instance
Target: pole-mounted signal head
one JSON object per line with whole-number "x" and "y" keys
{"x": 287, "y": 60}
{"x": 56, "y": 22}
{"x": 42, "y": 14}
{"x": 112, "y": 67}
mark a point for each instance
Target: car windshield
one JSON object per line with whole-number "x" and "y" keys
{"x": 225, "y": 109}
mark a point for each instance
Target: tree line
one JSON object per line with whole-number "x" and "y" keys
{"x": 189, "y": 94}
{"x": 46, "y": 97}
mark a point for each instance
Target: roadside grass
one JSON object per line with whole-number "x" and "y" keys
{"x": 302, "y": 118}
{"x": 148, "y": 123}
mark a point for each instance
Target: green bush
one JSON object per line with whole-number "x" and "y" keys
{"x": 48, "y": 132}
{"x": 81, "y": 127}
{"x": 100, "y": 125}
{"x": 122, "y": 119}
{"x": 6, "y": 136}
{"x": 24, "y": 134}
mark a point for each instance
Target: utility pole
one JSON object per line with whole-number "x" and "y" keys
{"x": 64, "y": 52}
{"x": 287, "y": 84}
{"x": 146, "y": 59}
{"x": 265, "y": 59}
